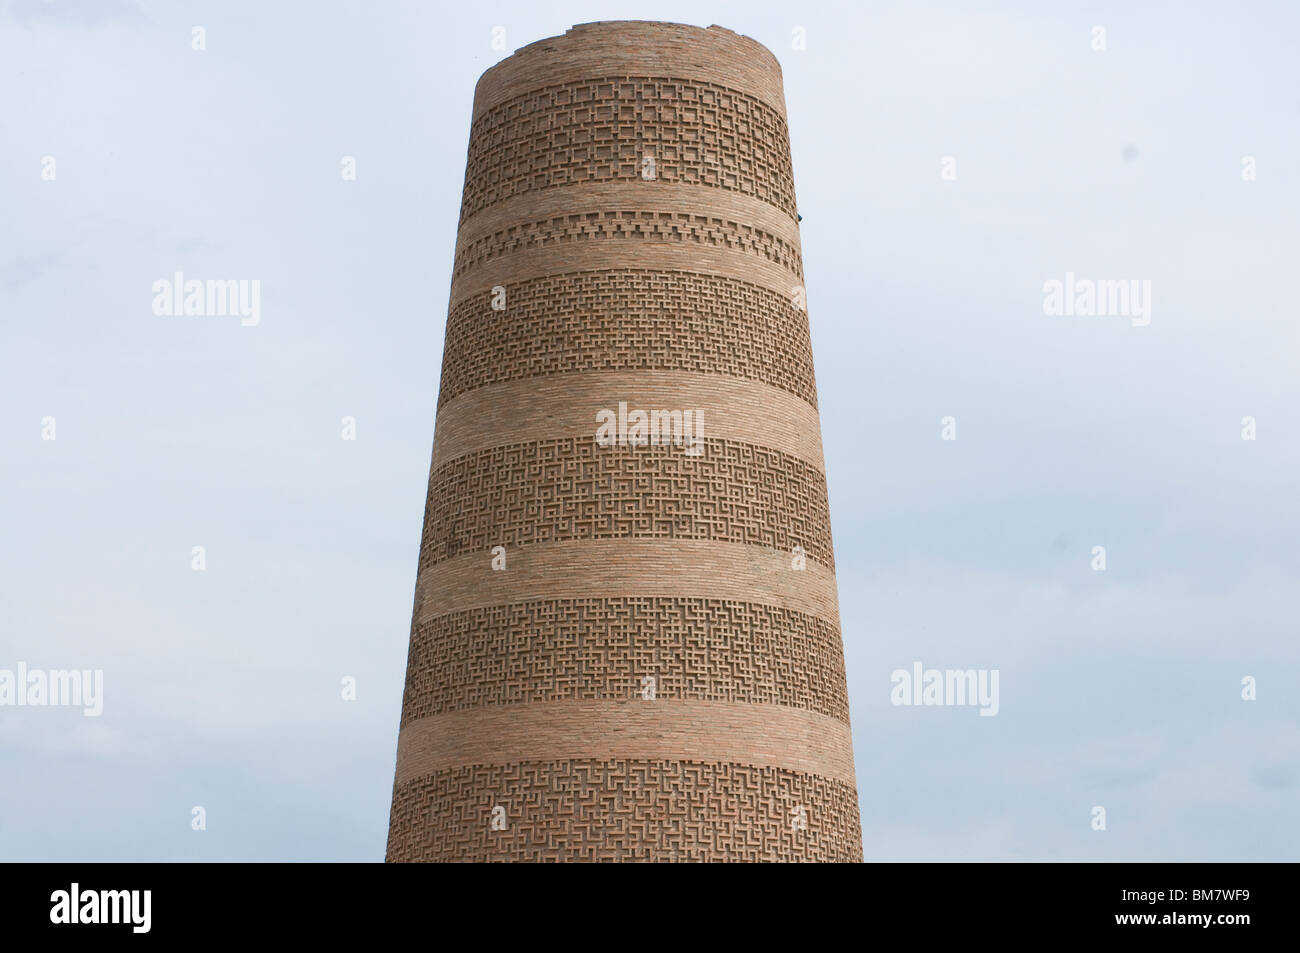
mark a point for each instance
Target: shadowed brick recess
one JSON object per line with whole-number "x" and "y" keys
{"x": 627, "y": 652}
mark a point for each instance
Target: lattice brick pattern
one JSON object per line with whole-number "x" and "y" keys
{"x": 599, "y": 130}
{"x": 602, "y": 648}
{"x": 571, "y": 488}
{"x": 629, "y": 320}
{"x": 630, "y": 226}
{"x": 623, "y": 811}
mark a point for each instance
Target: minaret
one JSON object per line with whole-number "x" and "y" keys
{"x": 625, "y": 642}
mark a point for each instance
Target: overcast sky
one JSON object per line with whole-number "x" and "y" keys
{"x": 1120, "y": 689}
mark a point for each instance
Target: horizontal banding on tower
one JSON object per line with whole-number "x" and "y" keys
{"x": 573, "y": 488}
{"x": 625, "y": 642}
{"x": 716, "y": 217}
{"x": 759, "y": 735}
{"x": 635, "y": 567}
{"x": 602, "y": 129}
{"x": 569, "y": 240}
{"x": 602, "y": 648}
{"x": 628, "y": 319}
{"x": 722, "y": 261}
{"x": 566, "y": 405}
{"x": 623, "y": 810}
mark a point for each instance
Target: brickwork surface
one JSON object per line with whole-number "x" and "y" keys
{"x": 602, "y": 648}
{"x": 650, "y": 667}
{"x": 632, "y": 320}
{"x": 623, "y": 810}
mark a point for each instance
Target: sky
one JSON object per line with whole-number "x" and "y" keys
{"x": 950, "y": 160}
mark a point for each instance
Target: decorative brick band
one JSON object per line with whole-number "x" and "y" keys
{"x": 624, "y": 810}
{"x": 650, "y": 730}
{"x": 606, "y": 256}
{"x": 599, "y": 649}
{"x": 629, "y": 319}
{"x": 634, "y": 228}
{"x": 671, "y": 568}
{"x": 571, "y": 488}
{"x": 602, "y": 129}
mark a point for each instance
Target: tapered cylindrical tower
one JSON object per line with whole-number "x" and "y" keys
{"x": 625, "y": 643}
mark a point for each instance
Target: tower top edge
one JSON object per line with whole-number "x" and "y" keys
{"x": 636, "y": 48}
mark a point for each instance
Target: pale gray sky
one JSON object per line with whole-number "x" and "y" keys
{"x": 1120, "y": 689}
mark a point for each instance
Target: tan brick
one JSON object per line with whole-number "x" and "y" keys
{"x": 529, "y": 727}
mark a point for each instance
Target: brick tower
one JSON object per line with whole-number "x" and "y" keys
{"x": 625, "y": 642}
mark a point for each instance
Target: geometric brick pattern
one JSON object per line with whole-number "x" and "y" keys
{"x": 526, "y": 733}
{"x": 621, "y": 810}
{"x": 630, "y": 226}
{"x": 599, "y": 130}
{"x": 629, "y": 319}
{"x": 572, "y": 488}
{"x": 602, "y": 648}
